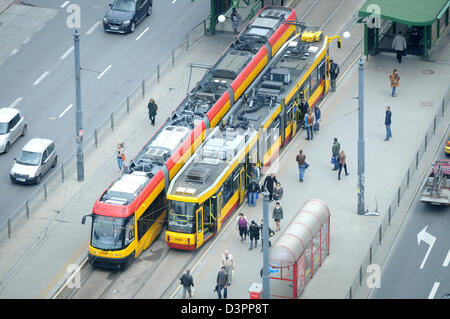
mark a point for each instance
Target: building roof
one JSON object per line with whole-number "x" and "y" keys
{"x": 410, "y": 12}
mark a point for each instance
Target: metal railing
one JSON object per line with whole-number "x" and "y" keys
{"x": 68, "y": 168}
{"x": 359, "y": 281}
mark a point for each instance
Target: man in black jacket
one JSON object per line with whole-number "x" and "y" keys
{"x": 152, "y": 108}
{"x": 269, "y": 182}
{"x": 334, "y": 72}
{"x": 187, "y": 281}
{"x": 387, "y": 122}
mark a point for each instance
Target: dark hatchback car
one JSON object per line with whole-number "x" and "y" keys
{"x": 124, "y": 15}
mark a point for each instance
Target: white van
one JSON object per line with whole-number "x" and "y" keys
{"x": 35, "y": 159}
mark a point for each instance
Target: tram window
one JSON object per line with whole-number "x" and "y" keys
{"x": 150, "y": 215}
{"x": 236, "y": 180}
{"x": 289, "y": 109}
{"x": 322, "y": 70}
{"x": 227, "y": 191}
{"x": 314, "y": 80}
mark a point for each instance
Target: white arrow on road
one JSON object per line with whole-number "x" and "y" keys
{"x": 427, "y": 238}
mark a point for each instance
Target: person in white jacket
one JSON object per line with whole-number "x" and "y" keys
{"x": 399, "y": 45}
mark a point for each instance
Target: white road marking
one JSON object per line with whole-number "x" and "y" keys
{"x": 143, "y": 32}
{"x": 174, "y": 1}
{"x": 423, "y": 235}
{"x": 66, "y": 53}
{"x": 41, "y": 77}
{"x": 93, "y": 27}
{"x": 433, "y": 290}
{"x": 14, "y": 52}
{"x": 447, "y": 260}
{"x": 26, "y": 40}
{"x": 64, "y": 112}
{"x": 17, "y": 101}
{"x": 64, "y": 4}
{"x": 103, "y": 73}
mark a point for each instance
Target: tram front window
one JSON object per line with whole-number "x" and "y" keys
{"x": 108, "y": 233}
{"x": 182, "y": 217}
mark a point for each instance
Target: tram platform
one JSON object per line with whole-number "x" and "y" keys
{"x": 419, "y": 97}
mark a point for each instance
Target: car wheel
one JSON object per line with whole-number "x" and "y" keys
{"x": 24, "y": 130}
{"x": 7, "y": 147}
{"x": 149, "y": 11}
{"x": 132, "y": 27}
{"x": 55, "y": 162}
{"x": 38, "y": 179}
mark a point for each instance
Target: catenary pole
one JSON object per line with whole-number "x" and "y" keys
{"x": 79, "y": 113}
{"x": 265, "y": 275}
{"x": 361, "y": 156}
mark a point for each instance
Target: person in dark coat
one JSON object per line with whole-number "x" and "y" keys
{"x": 271, "y": 232}
{"x": 387, "y": 122}
{"x": 152, "y": 109}
{"x": 304, "y": 107}
{"x": 222, "y": 280}
{"x": 187, "y": 281}
{"x": 253, "y": 189}
{"x": 269, "y": 182}
{"x": 254, "y": 234}
{"x": 335, "y": 153}
{"x": 277, "y": 215}
{"x": 334, "y": 72}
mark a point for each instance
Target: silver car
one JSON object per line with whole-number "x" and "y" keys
{"x": 35, "y": 159}
{"x": 12, "y": 126}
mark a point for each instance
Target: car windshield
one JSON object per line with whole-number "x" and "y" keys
{"x": 3, "y": 128}
{"x": 181, "y": 217}
{"x": 124, "y": 5}
{"x": 108, "y": 233}
{"x": 29, "y": 158}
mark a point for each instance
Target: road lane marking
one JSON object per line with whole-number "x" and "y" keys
{"x": 66, "y": 53}
{"x": 433, "y": 290}
{"x": 43, "y": 76}
{"x": 103, "y": 73}
{"x": 64, "y": 112}
{"x": 174, "y": 1}
{"x": 26, "y": 40}
{"x": 423, "y": 235}
{"x": 143, "y": 32}
{"x": 447, "y": 260}
{"x": 17, "y": 101}
{"x": 14, "y": 52}
{"x": 64, "y": 4}
{"x": 93, "y": 27}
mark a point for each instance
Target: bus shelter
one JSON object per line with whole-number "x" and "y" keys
{"x": 421, "y": 22}
{"x": 300, "y": 250}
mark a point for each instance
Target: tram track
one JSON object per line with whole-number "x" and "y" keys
{"x": 152, "y": 274}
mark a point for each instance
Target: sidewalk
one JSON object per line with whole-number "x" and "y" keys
{"x": 37, "y": 256}
{"x": 419, "y": 97}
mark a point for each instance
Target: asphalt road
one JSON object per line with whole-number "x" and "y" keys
{"x": 41, "y": 75}
{"x": 408, "y": 271}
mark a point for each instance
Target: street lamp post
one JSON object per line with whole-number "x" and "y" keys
{"x": 79, "y": 113}
{"x": 361, "y": 156}
{"x": 265, "y": 274}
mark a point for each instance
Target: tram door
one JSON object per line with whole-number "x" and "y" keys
{"x": 219, "y": 210}
{"x": 199, "y": 230}
{"x": 242, "y": 184}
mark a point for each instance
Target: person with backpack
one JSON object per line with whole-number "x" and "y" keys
{"x": 334, "y": 72}
{"x": 187, "y": 281}
{"x": 152, "y": 109}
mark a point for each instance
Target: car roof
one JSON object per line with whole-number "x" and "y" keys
{"x": 37, "y": 145}
{"x": 7, "y": 114}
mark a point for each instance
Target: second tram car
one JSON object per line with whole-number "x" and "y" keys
{"x": 131, "y": 212}
{"x": 213, "y": 182}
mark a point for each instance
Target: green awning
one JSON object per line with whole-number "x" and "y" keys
{"x": 410, "y": 12}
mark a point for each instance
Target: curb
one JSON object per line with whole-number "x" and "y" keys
{"x": 7, "y": 6}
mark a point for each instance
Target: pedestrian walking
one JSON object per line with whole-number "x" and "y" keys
{"x": 152, "y": 109}
{"x": 228, "y": 264}
{"x": 255, "y": 172}
{"x": 318, "y": 115}
{"x": 399, "y": 46}
{"x": 387, "y": 122}
{"x": 304, "y": 107}
{"x": 269, "y": 182}
{"x": 254, "y": 234}
{"x": 342, "y": 163}
{"x": 242, "y": 224}
{"x": 395, "y": 79}
{"x": 309, "y": 125}
{"x": 334, "y": 72}
{"x": 120, "y": 155}
{"x": 414, "y": 39}
{"x": 277, "y": 215}
{"x": 235, "y": 20}
{"x": 187, "y": 282}
{"x": 277, "y": 192}
{"x": 301, "y": 160}
{"x": 222, "y": 283}
{"x": 335, "y": 154}
{"x": 253, "y": 189}
{"x": 271, "y": 233}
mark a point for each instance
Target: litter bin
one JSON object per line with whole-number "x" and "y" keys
{"x": 255, "y": 290}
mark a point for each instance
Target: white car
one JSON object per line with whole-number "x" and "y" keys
{"x": 12, "y": 126}
{"x": 35, "y": 159}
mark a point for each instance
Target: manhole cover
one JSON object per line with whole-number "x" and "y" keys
{"x": 427, "y": 104}
{"x": 52, "y": 118}
{"x": 427, "y": 72}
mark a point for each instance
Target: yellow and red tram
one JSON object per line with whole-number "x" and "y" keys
{"x": 213, "y": 182}
{"x": 130, "y": 213}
